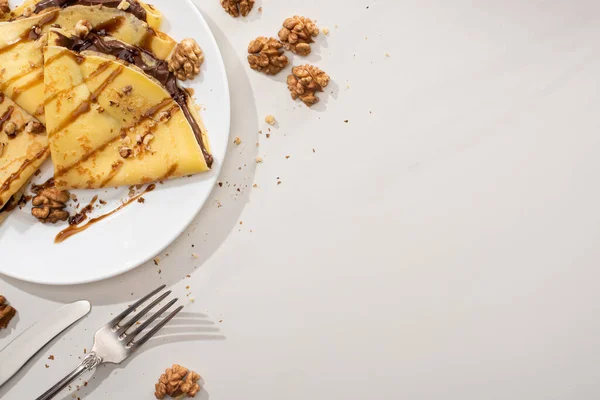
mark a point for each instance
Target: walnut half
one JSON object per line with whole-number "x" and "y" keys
{"x": 297, "y": 34}
{"x": 4, "y": 7}
{"x": 186, "y": 60}
{"x": 6, "y": 313}
{"x": 305, "y": 81}
{"x": 49, "y": 205}
{"x": 237, "y": 7}
{"x": 266, "y": 55}
{"x": 177, "y": 381}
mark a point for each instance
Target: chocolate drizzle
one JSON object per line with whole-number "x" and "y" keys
{"x": 135, "y": 7}
{"x": 147, "y": 62}
{"x": 6, "y": 116}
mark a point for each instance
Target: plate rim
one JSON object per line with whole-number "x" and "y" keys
{"x": 185, "y": 223}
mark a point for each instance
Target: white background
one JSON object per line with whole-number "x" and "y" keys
{"x": 440, "y": 244}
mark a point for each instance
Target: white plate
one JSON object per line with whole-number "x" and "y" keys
{"x": 140, "y": 231}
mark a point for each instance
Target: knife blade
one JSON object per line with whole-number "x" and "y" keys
{"x": 28, "y": 343}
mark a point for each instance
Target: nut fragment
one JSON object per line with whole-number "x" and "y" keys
{"x": 49, "y": 205}
{"x": 266, "y": 55}
{"x": 186, "y": 60}
{"x": 305, "y": 81}
{"x": 83, "y": 28}
{"x": 10, "y": 128}
{"x": 127, "y": 90}
{"x": 4, "y": 7}
{"x": 6, "y": 313}
{"x": 34, "y": 127}
{"x": 125, "y": 152}
{"x": 124, "y": 5}
{"x": 237, "y": 7}
{"x": 297, "y": 34}
{"x": 177, "y": 381}
{"x": 269, "y": 119}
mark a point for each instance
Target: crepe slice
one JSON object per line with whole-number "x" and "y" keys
{"x": 22, "y": 152}
{"x": 22, "y": 42}
{"x": 145, "y": 12}
{"x": 116, "y": 115}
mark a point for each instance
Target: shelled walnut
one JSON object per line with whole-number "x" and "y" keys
{"x": 6, "y": 313}
{"x": 83, "y": 28}
{"x": 186, "y": 60}
{"x": 237, "y": 7}
{"x": 266, "y": 55}
{"x": 49, "y": 205}
{"x": 297, "y": 34}
{"x": 305, "y": 81}
{"x": 177, "y": 381}
{"x": 34, "y": 127}
{"x": 4, "y": 7}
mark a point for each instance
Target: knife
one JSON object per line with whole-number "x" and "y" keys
{"x": 24, "y": 346}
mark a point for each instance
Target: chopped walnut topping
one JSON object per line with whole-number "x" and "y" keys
{"x": 34, "y": 127}
{"x": 124, "y": 5}
{"x": 266, "y": 55}
{"x": 146, "y": 140}
{"x": 297, "y": 34}
{"x": 49, "y": 205}
{"x": 4, "y": 7}
{"x": 125, "y": 152}
{"x": 186, "y": 60}
{"x": 237, "y": 7}
{"x": 10, "y": 128}
{"x": 305, "y": 81}
{"x": 83, "y": 28}
{"x": 127, "y": 90}
{"x": 177, "y": 381}
{"x": 100, "y": 109}
{"x": 6, "y": 313}
{"x": 269, "y": 119}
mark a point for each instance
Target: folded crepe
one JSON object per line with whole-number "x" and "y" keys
{"x": 21, "y": 153}
{"x": 22, "y": 41}
{"x": 116, "y": 116}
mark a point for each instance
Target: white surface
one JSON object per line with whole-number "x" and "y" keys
{"x": 137, "y": 233}
{"x": 442, "y": 247}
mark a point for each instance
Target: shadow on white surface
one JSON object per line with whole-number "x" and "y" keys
{"x": 215, "y": 221}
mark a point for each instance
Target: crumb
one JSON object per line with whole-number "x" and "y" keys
{"x": 346, "y": 121}
{"x": 192, "y": 300}
{"x": 103, "y": 202}
{"x": 287, "y": 157}
{"x": 279, "y": 182}
{"x": 50, "y": 357}
{"x": 241, "y": 222}
{"x": 46, "y": 365}
{"x": 259, "y": 160}
{"x": 314, "y": 151}
{"x": 387, "y": 54}
{"x": 269, "y": 119}
{"x": 141, "y": 200}
{"x": 188, "y": 276}
{"x": 336, "y": 26}
{"x": 195, "y": 256}
{"x": 325, "y": 31}
{"x": 220, "y": 320}
{"x": 259, "y": 9}
{"x": 237, "y": 141}
{"x": 220, "y": 184}
{"x": 187, "y": 287}
{"x": 156, "y": 260}
{"x": 84, "y": 350}
{"x": 268, "y": 135}
{"x": 255, "y": 185}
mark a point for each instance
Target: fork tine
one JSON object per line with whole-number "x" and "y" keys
{"x": 123, "y": 328}
{"x": 146, "y": 323}
{"x": 135, "y": 305}
{"x": 157, "y": 328}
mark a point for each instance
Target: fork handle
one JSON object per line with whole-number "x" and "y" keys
{"x": 90, "y": 362}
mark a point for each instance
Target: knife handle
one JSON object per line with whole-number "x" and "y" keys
{"x": 90, "y": 362}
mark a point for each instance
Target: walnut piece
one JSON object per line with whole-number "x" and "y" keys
{"x": 237, "y": 7}
{"x": 4, "y": 7}
{"x": 177, "y": 381}
{"x": 6, "y": 313}
{"x": 266, "y": 55}
{"x": 186, "y": 60}
{"x": 123, "y": 5}
{"x": 125, "y": 152}
{"x": 83, "y": 28}
{"x": 10, "y": 128}
{"x": 49, "y": 205}
{"x": 34, "y": 127}
{"x": 297, "y": 34}
{"x": 305, "y": 81}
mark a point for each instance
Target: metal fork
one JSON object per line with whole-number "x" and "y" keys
{"x": 112, "y": 343}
